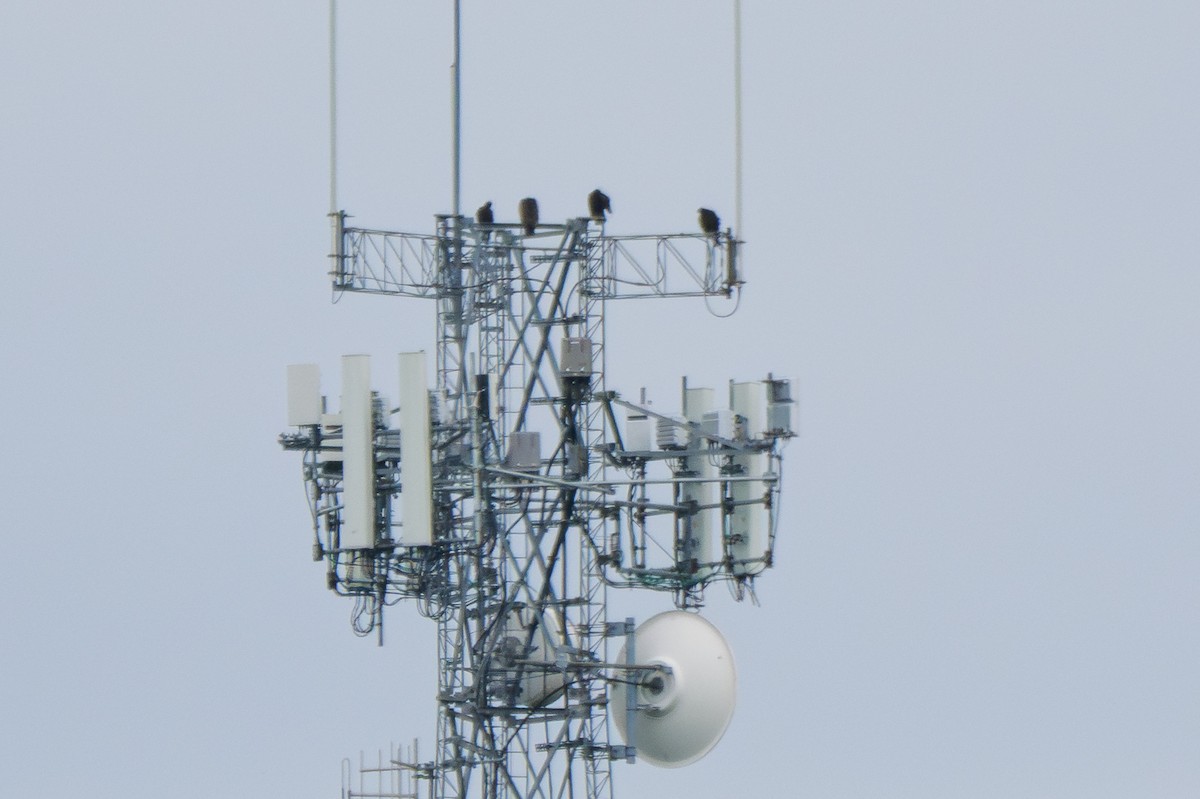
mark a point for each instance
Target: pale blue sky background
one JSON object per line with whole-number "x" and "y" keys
{"x": 974, "y": 243}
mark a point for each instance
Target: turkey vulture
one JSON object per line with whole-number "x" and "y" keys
{"x": 710, "y": 223}
{"x": 529, "y": 214}
{"x": 598, "y": 203}
{"x": 484, "y": 216}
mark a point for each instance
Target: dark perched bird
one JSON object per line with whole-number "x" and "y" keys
{"x": 598, "y": 203}
{"x": 528, "y": 212}
{"x": 710, "y": 223}
{"x": 484, "y": 216}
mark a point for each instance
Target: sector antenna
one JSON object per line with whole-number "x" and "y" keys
{"x": 501, "y": 487}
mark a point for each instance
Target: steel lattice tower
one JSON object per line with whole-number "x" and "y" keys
{"x": 539, "y": 499}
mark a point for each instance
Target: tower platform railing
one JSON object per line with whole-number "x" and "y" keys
{"x": 398, "y": 263}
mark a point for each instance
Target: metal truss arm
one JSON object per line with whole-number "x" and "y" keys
{"x": 631, "y": 267}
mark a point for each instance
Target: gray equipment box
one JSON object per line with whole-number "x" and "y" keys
{"x": 576, "y": 357}
{"x": 524, "y": 451}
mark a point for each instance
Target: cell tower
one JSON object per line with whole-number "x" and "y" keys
{"x": 506, "y": 498}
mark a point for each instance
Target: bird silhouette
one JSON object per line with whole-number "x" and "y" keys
{"x": 528, "y": 211}
{"x": 598, "y": 203}
{"x": 710, "y": 223}
{"x": 484, "y": 216}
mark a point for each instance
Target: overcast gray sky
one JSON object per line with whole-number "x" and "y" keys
{"x": 974, "y": 244}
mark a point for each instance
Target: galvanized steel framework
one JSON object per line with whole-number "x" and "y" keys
{"x": 539, "y": 506}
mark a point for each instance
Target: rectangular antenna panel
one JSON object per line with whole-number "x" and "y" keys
{"x": 779, "y": 406}
{"x": 702, "y": 544}
{"x": 576, "y": 360}
{"x": 749, "y": 524}
{"x": 639, "y": 432}
{"x": 304, "y": 394}
{"x": 358, "y": 454}
{"x": 718, "y": 422}
{"x": 779, "y": 417}
{"x": 524, "y": 451}
{"x": 416, "y": 471}
{"x": 494, "y": 403}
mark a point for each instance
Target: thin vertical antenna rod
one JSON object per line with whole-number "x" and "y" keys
{"x": 737, "y": 113}
{"x": 333, "y": 208}
{"x": 457, "y": 103}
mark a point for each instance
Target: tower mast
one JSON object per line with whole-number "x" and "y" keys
{"x": 506, "y": 499}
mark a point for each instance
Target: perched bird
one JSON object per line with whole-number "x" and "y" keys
{"x": 598, "y": 203}
{"x": 710, "y": 223}
{"x": 484, "y": 216}
{"x": 528, "y": 212}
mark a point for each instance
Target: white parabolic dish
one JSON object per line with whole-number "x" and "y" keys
{"x": 681, "y": 715}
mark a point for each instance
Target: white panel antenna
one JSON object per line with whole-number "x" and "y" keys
{"x": 304, "y": 394}
{"x": 639, "y": 432}
{"x": 529, "y": 654}
{"x": 495, "y": 403}
{"x": 700, "y": 542}
{"x": 749, "y": 523}
{"x": 358, "y": 453}
{"x": 416, "y": 475}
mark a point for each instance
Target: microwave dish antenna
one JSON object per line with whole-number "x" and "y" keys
{"x": 683, "y": 703}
